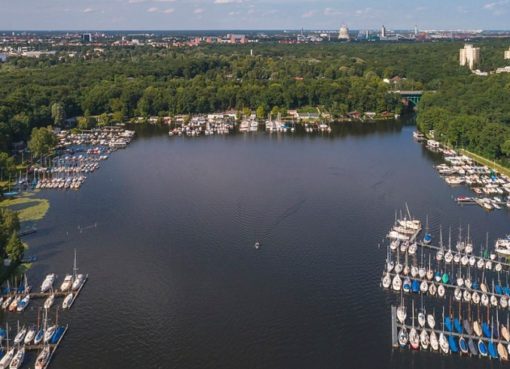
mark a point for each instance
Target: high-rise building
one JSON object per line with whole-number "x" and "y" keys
{"x": 343, "y": 34}
{"x": 86, "y": 37}
{"x": 383, "y": 32}
{"x": 507, "y": 54}
{"x": 469, "y": 56}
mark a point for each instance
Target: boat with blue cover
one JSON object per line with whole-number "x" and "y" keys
{"x": 486, "y": 330}
{"x": 416, "y": 286}
{"x": 492, "y": 350}
{"x": 482, "y": 348}
{"x": 56, "y": 336}
{"x": 453, "y": 345}
{"x": 445, "y": 278}
{"x": 463, "y": 345}
{"x": 448, "y": 323}
{"x": 457, "y": 325}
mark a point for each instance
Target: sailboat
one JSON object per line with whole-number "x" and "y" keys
{"x": 20, "y": 335}
{"x": 440, "y": 252}
{"x": 443, "y": 341}
{"x": 469, "y": 244}
{"x": 17, "y": 361}
{"x": 43, "y": 357}
{"x": 424, "y": 339}
{"x": 414, "y": 338}
{"x": 427, "y": 238}
{"x": 68, "y": 301}
{"x": 396, "y": 284}
{"x": 48, "y": 303}
{"x": 30, "y": 335}
{"x": 401, "y": 311}
{"x": 6, "y": 360}
{"x": 434, "y": 343}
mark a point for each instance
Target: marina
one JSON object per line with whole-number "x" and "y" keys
{"x": 434, "y": 274}
{"x": 491, "y": 188}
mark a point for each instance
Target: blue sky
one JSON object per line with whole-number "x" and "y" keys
{"x": 252, "y": 14}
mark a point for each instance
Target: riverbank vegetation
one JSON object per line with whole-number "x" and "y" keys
{"x": 472, "y": 113}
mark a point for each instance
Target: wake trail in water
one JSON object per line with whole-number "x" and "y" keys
{"x": 286, "y": 214}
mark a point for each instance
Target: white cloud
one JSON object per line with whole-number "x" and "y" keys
{"x": 152, "y": 10}
{"x": 169, "y": 11}
{"x": 228, "y": 1}
{"x": 88, "y": 10}
{"x": 308, "y": 14}
{"x": 332, "y": 12}
{"x": 497, "y": 7}
{"x": 198, "y": 11}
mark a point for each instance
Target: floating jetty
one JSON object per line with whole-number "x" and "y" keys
{"x": 396, "y": 325}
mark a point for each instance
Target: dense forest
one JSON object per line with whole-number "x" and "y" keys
{"x": 472, "y": 113}
{"x": 121, "y": 83}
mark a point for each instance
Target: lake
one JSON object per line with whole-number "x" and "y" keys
{"x": 166, "y": 231}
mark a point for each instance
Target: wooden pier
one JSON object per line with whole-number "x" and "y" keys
{"x": 436, "y": 248}
{"x": 396, "y": 325}
{"x": 447, "y": 286}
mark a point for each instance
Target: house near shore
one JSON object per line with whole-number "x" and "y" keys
{"x": 308, "y": 117}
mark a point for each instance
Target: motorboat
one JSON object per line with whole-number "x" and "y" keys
{"x": 80, "y": 278}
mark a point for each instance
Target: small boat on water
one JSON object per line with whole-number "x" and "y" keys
{"x": 66, "y": 304}
{"x": 47, "y": 284}
{"x": 424, "y": 340}
{"x": 39, "y": 336}
{"x": 396, "y": 284}
{"x": 257, "y": 245}
{"x": 43, "y": 357}
{"x": 18, "y": 359}
{"x": 14, "y": 303}
{"x": 6, "y": 360}
{"x": 80, "y": 278}
{"x": 434, "y": 343}
{"x": 482, "y": 348}
{"x": 7, "y": 302}
{"x": 48, "y": 334}
{"x": 502, "y": 352}
{"x": 20, "y": 336}
{"x": 402, "y": 337}
{"x": 48, "y": 303}
{"x": 67, "y": 283}
{"x": 463, "y": 346}
{"x": 23, "y": 303}
{"x": 443, "y": 343}
{"x": 472, "y": 347}
{"x": 29, "y": 337}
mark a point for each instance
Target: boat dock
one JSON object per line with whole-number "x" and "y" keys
{"x": 436, "y": 248}
{"x": 396, "y": 325}
{"x": 78, "y": 291}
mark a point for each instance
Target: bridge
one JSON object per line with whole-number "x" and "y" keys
{"x": 411, "y": 96}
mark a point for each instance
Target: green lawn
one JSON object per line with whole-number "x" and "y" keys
{"x": 29, "y": 208}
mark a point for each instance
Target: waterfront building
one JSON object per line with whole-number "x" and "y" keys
{"x": 469, "y": 56}
{"x": 343, "y": 34}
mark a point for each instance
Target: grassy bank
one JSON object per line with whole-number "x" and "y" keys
{"x": 491, "y": 164}
{"x": 29, "y": 208}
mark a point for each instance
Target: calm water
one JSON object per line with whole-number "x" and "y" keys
{"x": 166, "y": 231}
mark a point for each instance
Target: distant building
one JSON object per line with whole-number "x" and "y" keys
{"x": 507, "y": 54}
{"x": 87, "y": 37}
{"x": 469, "y": 56}
{"x": 3, "y": 58}
{"x": 383, "y": 32}
{"x": 343, "y": 34}
{"x": 237, "y": 39}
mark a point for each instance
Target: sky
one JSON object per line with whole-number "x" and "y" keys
{"x": 252, "y": 14}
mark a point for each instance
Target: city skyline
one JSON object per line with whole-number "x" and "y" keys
{"x": 250, "y": 14}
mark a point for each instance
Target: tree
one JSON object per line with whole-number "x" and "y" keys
{"x": 103, "y": 120}
{"x": 58, "y": 114}
{"x": 10, "y": 221}
{"x": 261, "y": 112}
{"x": 14, "y": 248}
{"x": 42, "y": 141}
